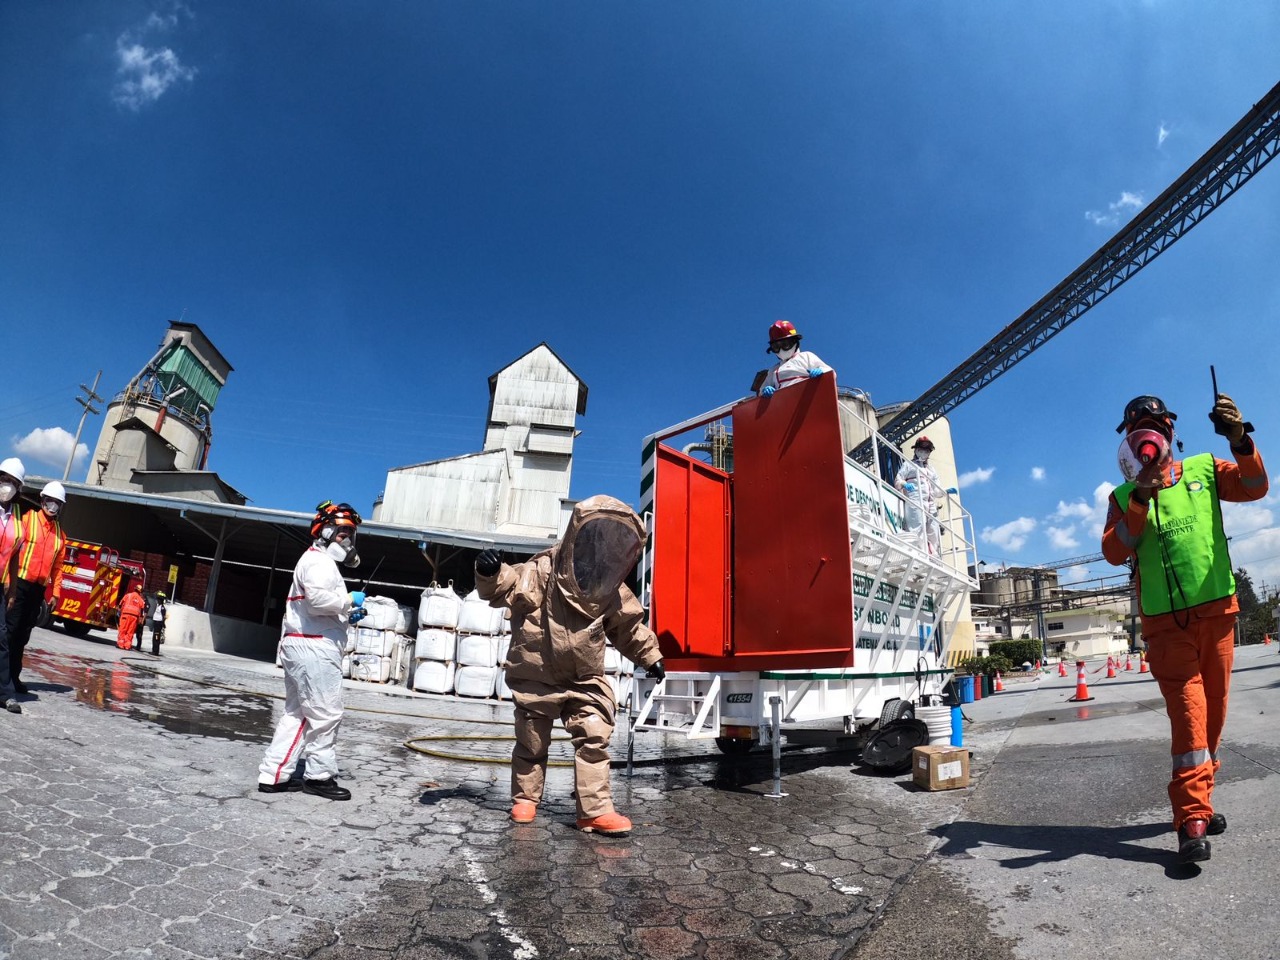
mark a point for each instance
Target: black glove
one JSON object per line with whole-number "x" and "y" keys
{"x": 488, "y": 562}
{"x": 656, "y": 670}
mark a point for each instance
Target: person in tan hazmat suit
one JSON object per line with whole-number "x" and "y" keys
{"x": 564, "y": 602}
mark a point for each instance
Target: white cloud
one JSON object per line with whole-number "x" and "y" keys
{"x": 970, "y": 477}
{"x": 145, "y": 73}
{"x": 1125, "y": 206}
{"x": 49, "y": 446}
{"x": 1162, "y": 135}
{"x": 1062, "y": 538}
{"x": 1073, "y": 511}
{"x": 1009, "y": 536}
{"x": 1037, "y": 473}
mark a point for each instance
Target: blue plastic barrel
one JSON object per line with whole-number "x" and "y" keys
{"x": 966, "y": 689}
{"x": 957, "y": 727}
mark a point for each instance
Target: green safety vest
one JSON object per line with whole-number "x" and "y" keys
{"x": 1182, "y": 551}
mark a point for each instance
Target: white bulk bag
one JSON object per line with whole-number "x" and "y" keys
{"x": 402, "y": 660}
{"x": 476, "y": 650}
{"x": 432, "y": 676}
{"x": 406, "y": 621}
{"x": 505, "y": 626}
{"x": 380, "y": 613}
{"x": 436, "y": 644}
{"x": 473, "y": 681}
{"x": 350, "y": 645}
{"x": 476, "y": 616}
{"x": 376, "y": 643}
{"x": 373, "y": 669}
{"x": 503, "y": 647}
{"x": 612, "y": 660}
{"x": 346, "y": 665}
{"x": 439, "y": 607}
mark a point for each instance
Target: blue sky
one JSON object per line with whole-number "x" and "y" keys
{"x": 370, "y": 208}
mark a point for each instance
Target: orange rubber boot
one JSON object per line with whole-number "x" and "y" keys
{"x": 522, "y": 811}
{"x": 610, "y": 824}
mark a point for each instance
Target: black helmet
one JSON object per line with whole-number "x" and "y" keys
{"x": 1146, "y": 408}
{"x": 337, "y": 515}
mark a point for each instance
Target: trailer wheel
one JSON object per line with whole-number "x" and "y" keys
{"x": 734, "y": 746}
{"x": 75, "y": 628}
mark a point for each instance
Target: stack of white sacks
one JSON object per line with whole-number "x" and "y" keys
{"x": 380, "y": 647}
{"x": 463, "y": 642}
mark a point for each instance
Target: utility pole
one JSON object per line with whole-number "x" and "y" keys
{"x": 85, "y": 401}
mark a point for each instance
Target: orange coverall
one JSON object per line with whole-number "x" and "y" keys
{"x": 131, "y": 608}
{"x": 1190, "y": 651}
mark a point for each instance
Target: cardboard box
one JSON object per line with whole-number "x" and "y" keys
{"x": 940, "y": 768}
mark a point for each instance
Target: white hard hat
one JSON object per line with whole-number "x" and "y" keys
{"x": 14, "y": 468}
{"x": 54, "y": 491}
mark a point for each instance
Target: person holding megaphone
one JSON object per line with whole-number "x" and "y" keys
{"x": 1167, "y": 519}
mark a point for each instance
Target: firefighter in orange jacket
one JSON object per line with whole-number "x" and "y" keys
{"x": 37, "y": 563}
{"x": 132, "y": 607}
{"x": 1169, "y": 520}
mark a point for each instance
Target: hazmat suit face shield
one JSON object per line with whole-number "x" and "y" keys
{"x": 601, "y": 554}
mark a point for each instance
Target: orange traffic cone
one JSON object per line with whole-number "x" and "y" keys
{"x": 1062, "y": 668}
{"x": 1127, "y": 664}
{"x": 1142, "y": 663}
{"x": 1082, "y": 686}
{"x": 1111, "y": 669}
{"x": 999, "y": 687}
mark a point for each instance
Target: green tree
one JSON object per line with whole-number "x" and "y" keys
{"x": 1245, "y": 592}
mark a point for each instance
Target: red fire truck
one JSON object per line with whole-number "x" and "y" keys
{"x": 94, "y": 579}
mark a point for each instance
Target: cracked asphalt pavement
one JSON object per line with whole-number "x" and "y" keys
{"x": 131, "y": 827}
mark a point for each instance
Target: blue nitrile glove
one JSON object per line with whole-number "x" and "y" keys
{"x": 952, "y": 490}
{"x": 768, "y": 391}
{"x": 356, "y": 615}
{"x": 909, "y": 487}
{"x": 815, "y": 372}
{"x": 357, "y": 598}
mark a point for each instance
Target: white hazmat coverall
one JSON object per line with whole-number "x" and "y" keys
{"x": 790, "y": 372}
{"x": 924, "y": 502}
{"x": 314, "y": 633}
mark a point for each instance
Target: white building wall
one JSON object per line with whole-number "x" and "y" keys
{"x": 460, "y": 494}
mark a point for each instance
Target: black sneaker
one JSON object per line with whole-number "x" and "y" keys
{"x": 289, "y": 786}
{"x": 13, "y": 706}
{"x": 1217, "y": 825}
{"x": 328, "y": 789}
{"x": 1192, "y": 845}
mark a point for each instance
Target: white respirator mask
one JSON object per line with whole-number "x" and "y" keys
{"x": 7, "y": 492}
{"x": 344, "y": 552}
{"x": 786, "y": 353}
{"x": 51, "y": 507}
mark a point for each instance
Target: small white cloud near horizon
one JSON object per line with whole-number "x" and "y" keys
{"x": 145, "y": 73}
{"x": 1161, "y": 136}
{"x": 1009, "y": 536}
{"x": 971, "y": 477}
{"x": 1127, "y": 204}
{"x": 1037, "y": 473}
{"x": 50, "y": 446}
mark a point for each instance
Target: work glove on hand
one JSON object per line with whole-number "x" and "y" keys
{"x": 356, "y": 615}
{"x": 656, "y": 670}
{"x": 814, "y": 372}
{"x": 488, "y": 562}
{"x": 357, "y": 598}
{"x": 1227, "y": 420}
{"x": 768, "y": 391}
{"x": 909, "y": 488}
{"x": 952, "y": 490}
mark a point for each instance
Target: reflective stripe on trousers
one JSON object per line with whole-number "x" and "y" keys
{"x": 1193, "y": 668}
